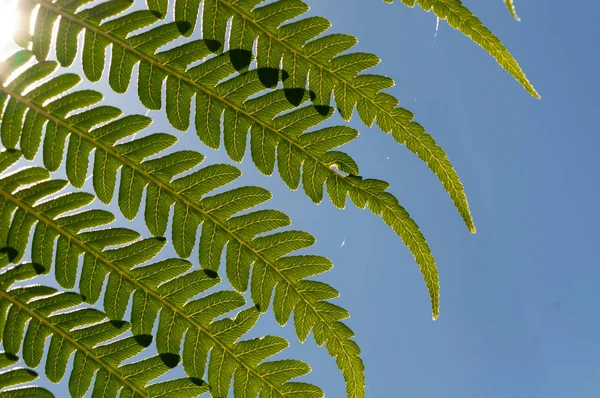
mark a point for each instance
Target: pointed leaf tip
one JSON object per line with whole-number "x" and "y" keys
{"x": 461, "y": 18}
{"x": 512, "y": 10}
{"x": 435, "y": 307}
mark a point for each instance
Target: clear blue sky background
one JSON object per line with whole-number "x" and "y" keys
{"x": 519, "y": 315}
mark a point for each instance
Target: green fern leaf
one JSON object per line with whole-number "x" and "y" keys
{"x": 29, "y": 318}
{"x": 7, "y": 359}
{"x": 310, "y": 58}
{"x": 231, "y": 99}
{"x": 215, "y": 213}
{"x": 461, "y": 18}
{"x": 510, "y": 4}
{"x": 13, "y": 381}
{"x": 166, "y": 286}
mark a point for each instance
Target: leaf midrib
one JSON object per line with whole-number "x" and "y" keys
{"x": 132, "y": 280}
{"x": 166, "y": 187}
{"x": 512, "y": 65}
{"x": 190, "y": 81}
{"x": 196, "y": 85}
{"x": 57, "y": 330}
{"x": 322, "y": 67}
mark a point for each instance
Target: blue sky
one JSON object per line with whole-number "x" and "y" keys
{"x": 518, "y": 315}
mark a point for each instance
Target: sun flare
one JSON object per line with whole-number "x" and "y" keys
{"x": 8, "y": 19}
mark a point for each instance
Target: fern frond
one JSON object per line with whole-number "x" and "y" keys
{"x": 308, "y": 58}
{"x": 166, "y": 286}
{"x": 462, "y": 19}
{"x": 217, "y": 214}
{"x": 28, "y": 317}
{"x": 13, "y": 381}
{"x": 510, "y": 4}
{"x": 283, "y": 137}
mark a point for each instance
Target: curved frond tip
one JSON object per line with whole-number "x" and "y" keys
{"x": 301, "y": 155}
{"x": 510, "y": 4}
{"x": 216, "y": 214}
{"x": 324, "y": 65}
{"x": 99, "y": 128}
{"x": 462, "y": 19}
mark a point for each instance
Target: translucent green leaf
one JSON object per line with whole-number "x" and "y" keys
{"x": 462, "y": 19}
{"x": 17, "y": 376}
{"x": 511, "y": 9}
{"x": 167, "y": 286}
{"x": 210, "y": 78}
{"x": 85, "y": 332}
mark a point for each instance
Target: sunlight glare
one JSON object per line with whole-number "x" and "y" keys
{"x": 8, "y": 19}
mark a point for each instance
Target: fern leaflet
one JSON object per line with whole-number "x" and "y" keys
{"x": 272, "y": 136}
{"x": 86, "y": 332}
{"x": 216, "y": 213}
{"x": 14, "y": 380}
{"x": 510, "y": 4}
{"x": 164, "y": 286}
{"x": 308, "y": 57}
{"x": 462, "y": 19}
